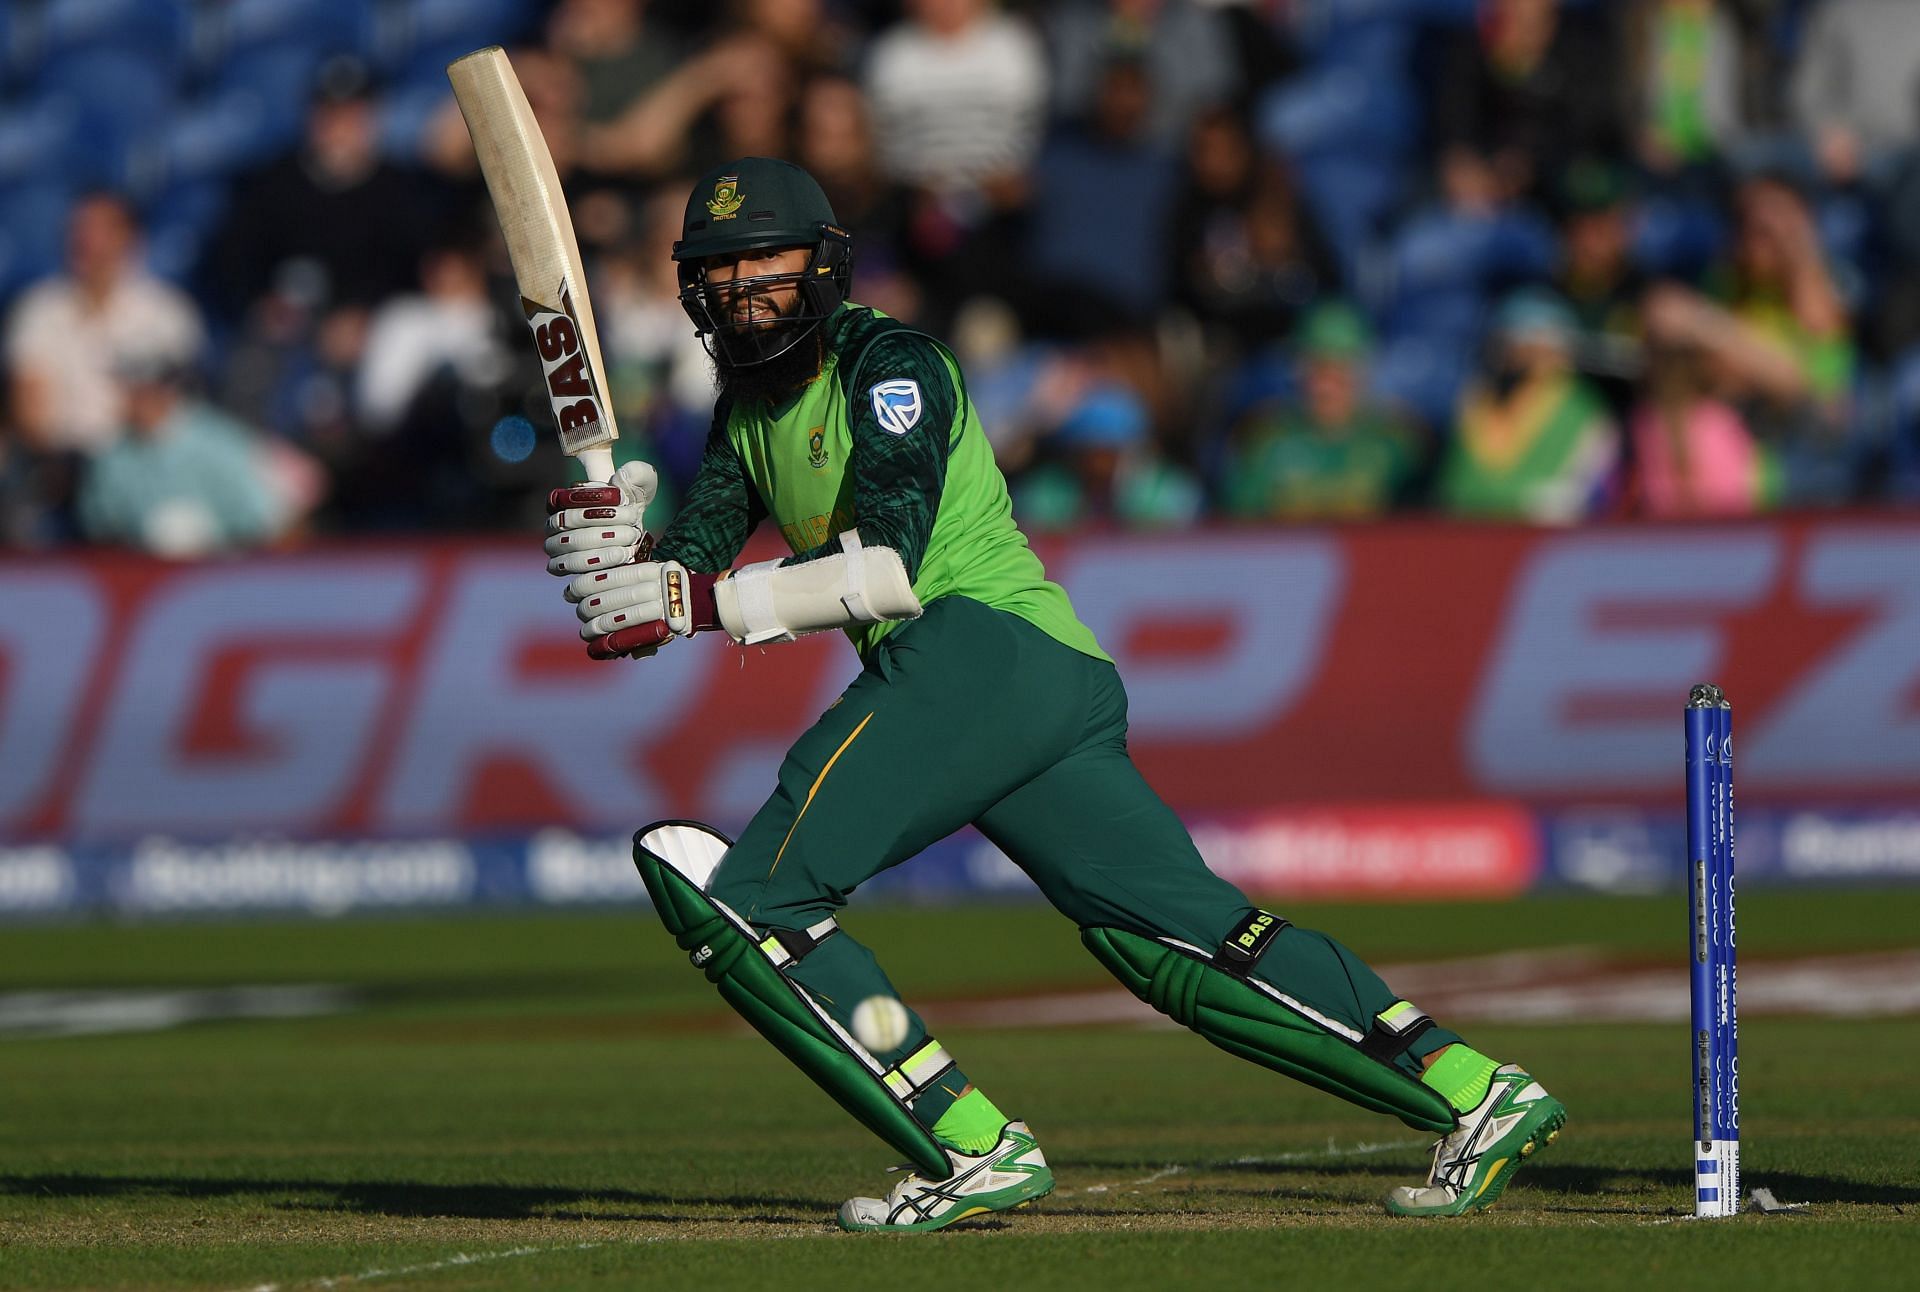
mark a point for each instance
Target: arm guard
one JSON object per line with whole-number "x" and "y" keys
{"x": 771, "y": 602}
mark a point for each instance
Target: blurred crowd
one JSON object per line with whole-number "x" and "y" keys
{"x": 1274, "y": 260}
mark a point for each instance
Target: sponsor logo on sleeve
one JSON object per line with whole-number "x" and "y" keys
{"x": 897, "y": 405}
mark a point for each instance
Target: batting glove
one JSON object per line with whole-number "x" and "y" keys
{"x": 634, "y": 608}
{"x": 599, "y": 526}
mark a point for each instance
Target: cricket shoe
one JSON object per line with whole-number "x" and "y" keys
{"x": 1010, "y": 1174}
{"x": 1473, "y": 1163}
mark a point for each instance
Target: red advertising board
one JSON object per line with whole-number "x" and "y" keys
{"x": 355, "y": 690}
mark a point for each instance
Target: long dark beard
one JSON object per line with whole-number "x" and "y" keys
{"x": 779, "y": 378}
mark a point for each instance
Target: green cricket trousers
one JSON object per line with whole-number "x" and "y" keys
{"x": 971, "y": 715}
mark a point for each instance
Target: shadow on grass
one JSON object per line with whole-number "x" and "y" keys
{"x": 1626, "y": 1189}
{"x": 1596, "y": 1181}
{"x": 415, "y": 1199}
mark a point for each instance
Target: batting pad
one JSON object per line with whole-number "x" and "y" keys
{"x": 1249, "y": 1018}
{"x": 677, "y": 859}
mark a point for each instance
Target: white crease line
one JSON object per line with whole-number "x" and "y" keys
{"x": 470, "y": 1258}
{"x": 451, "y": 1262}
{"x": 1161, "y": 1174}
{"x": 1332, "y": 1152}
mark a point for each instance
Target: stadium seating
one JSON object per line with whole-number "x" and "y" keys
{"x": 116, "y": 96}
{"x": 180, "y": 220}
{"x": 427, "y": 34}
{"x": 32, "y": 232}
{"x": 326, "y": 26}
{"x": 159, "y": 31}
{"x": 1676, "y": 235}
{"x": 36, "y": 140}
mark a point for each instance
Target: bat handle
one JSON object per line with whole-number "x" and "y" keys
{"x": 598, "y": 463}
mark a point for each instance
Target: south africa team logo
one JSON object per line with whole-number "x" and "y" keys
{"x": 817, "y": 448}
{"x": 897, "y": 405}
{"x": 726, "y": 197}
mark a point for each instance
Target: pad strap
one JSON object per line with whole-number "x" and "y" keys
{"x": 752, "y": 587}
{"x": 1241, "y": 949}
{"x": 746, "y": 965}
{"x": 787, "y": 947}
{"x": 1256, "y": 1020}
{"x": 1394, "y": 1029}
{"x": 915, "y": 1074}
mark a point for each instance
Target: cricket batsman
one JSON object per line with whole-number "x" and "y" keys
{"x": 982, "y": 699}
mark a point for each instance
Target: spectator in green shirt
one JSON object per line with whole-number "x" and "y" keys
{"x": 1533, "y": 440}
{"x": 1775, "y": 338}
{"x": 1332, "y": 454}
{"x": 1100, "y": 466}
{"x": 1774, "y": 327}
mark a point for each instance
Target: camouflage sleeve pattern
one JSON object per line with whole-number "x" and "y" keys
{"x": 721, "y": 508}
{"x": 903, "y": 407}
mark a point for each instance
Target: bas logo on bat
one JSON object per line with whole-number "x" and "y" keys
{"x": 570, "y": 387}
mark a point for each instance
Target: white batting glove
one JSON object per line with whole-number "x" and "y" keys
{"x": 631, "y": 609}
{"x": 600, "y": 526}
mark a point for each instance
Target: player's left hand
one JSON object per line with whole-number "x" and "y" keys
{"x": 632, "y": 609}
{"x": 599, "y": 526}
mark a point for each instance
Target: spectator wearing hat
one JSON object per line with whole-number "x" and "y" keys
{"x": 345, "y": 222}
{"x": 1599, "y": 278}
{"x": 1101, "y": 467}
{"x": 185, "y": 480}
{"x": 1533, "y": 440}
{"x": 1331, "y": 454}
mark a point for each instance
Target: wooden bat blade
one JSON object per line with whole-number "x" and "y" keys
{"x": 532, "y": 208}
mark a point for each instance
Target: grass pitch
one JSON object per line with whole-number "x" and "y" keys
{"x": 560, "y": 1102}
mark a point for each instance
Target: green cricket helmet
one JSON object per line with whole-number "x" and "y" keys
{"x": 755, "y": 204}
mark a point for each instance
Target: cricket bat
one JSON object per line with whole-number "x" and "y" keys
{"x": 546, "y": 259}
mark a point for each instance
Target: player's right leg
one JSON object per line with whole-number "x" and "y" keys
{"x": 794, "y": 986}
{"x": 954, "y": 711}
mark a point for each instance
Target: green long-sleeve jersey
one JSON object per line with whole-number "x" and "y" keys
{"x": 884, "y": 440}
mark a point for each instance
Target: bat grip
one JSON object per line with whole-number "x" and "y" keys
{"x": 597, "y": 463}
